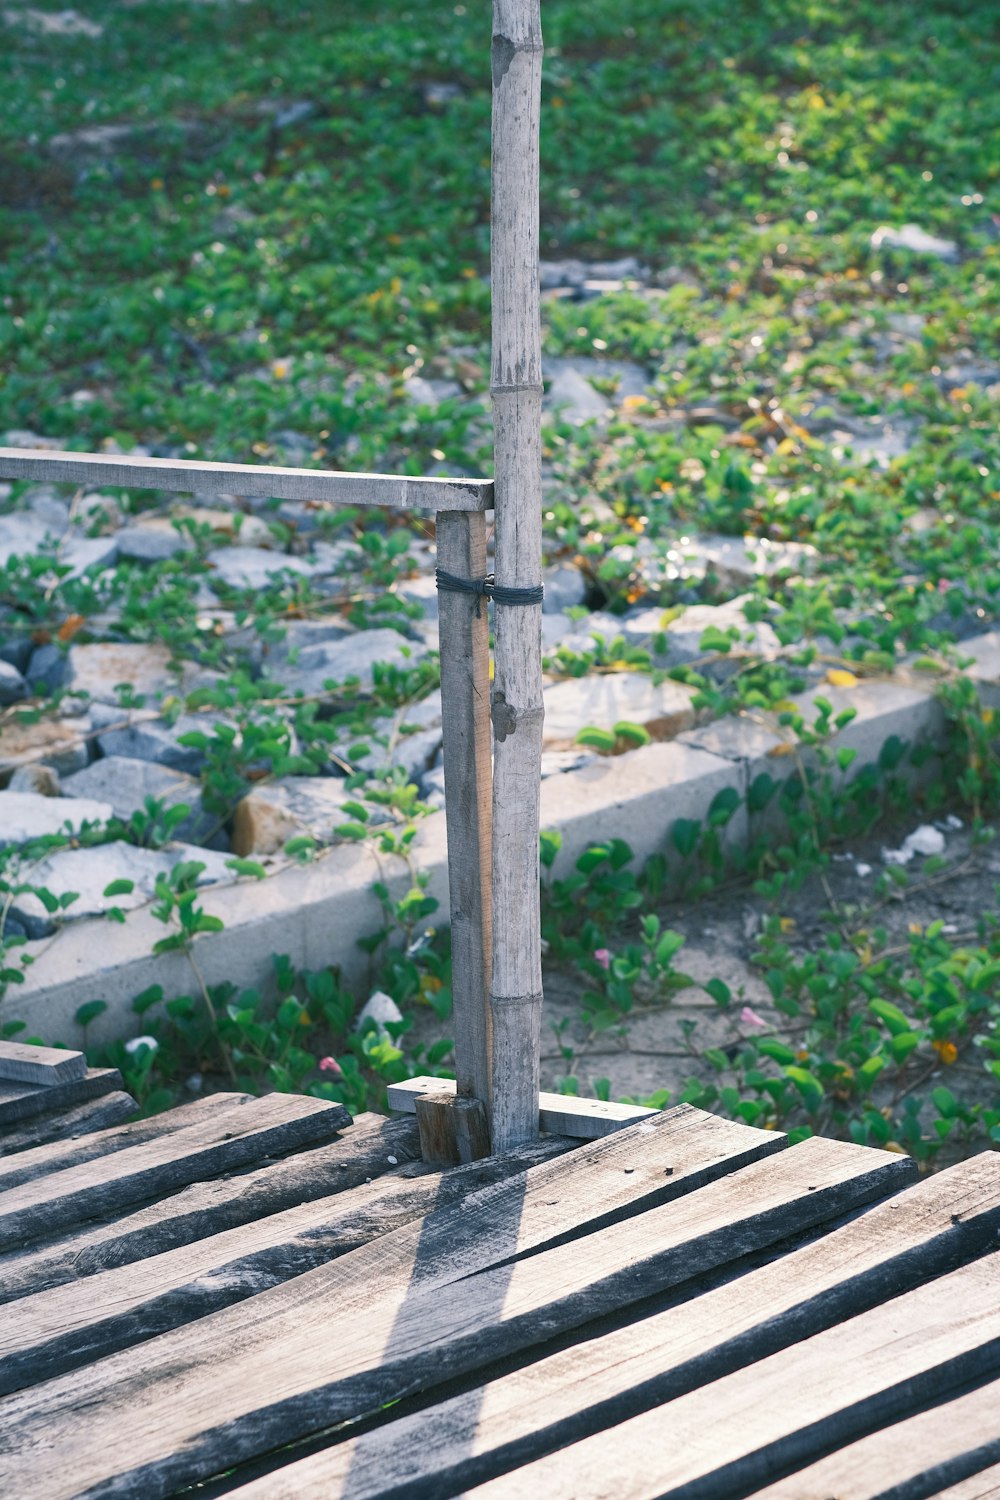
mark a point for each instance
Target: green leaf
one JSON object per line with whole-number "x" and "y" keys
{"x": 549, "y": 844}
{"x": 807, "y": 1084}
{"x": 302, "y": 844}
{"x": 90, "y": 1011}
{"x": 762, "y": 789}
{"x": 120, "y": 888}
{"x": 945, "y": 1102}
{"x": 668, "y": 945}
{"x": 777, "y": 1051}
{"x": 722, "y": 807}
{"x": 684, "y": 836}
{"x": 902, "y": 1044}
{"x": 720, "y": 992}
{"x": 354, "y": 831}
{"x": 597, "y": 739}
{"x": 890, "y": 1015}
{"x": 147, "y": 999}
{"x": 714, "y": 639}
{"x": 247, "y": 867}
{"x": 634, "y": 733}
{"x": 846, "y": 757}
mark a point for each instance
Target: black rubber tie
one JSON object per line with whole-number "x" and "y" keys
{"x": 487, "y": 588}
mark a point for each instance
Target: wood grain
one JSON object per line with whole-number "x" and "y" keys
{"x": 397, "y": 492}
{"x": 589, "y": 1387}
{"x": 22, "y": 1063}
{"x": 71, "y": 1149}
{"x": 24, "y": 1101}
{"x": 464, "y": 633}
{"x": 78, "y": 1120}
{"x": 561, "y": 1114}
{"x": 788, "y": 1409}
{"x": 256, "y": 1376}
{"x": 516, "y": 391}
{"x": 372, "y": 1147}
{"x": 275, "y": 1124}
{"x": 53, "y": 1331}
{"x": 951, "y": 1443}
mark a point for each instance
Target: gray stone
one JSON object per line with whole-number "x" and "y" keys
{"x": 555, "y": 628}
{"x": 27, "y": 815}
{"x": 739, "y": 561}
{"x": 601, "y": 702}
{"x": 256, "y": 567}
{"x": 12, "y": 685}
{"x": 277, "y": 811}
{"x": 89, "y": 872}
{"x": 431, "y": 393}
{"x": 96, "y": 671}
{"x": 154, "y": 740}
{"x": 684, "y": 632}
{"x": 39, "y": 779}
{"x": 422, "y": 591}
{"x": 411, "y": 739}
{"x": 555, "y": 762}
{"x": 150, "y": 543}
{"x": 916, "y": 240}
{"x": 60, "y": 743}
{"x": 85, "y": 554}
{"x": 21, "y": 535}
{"x": 52, "y": 23}
{"x": 565, "y": 588}
{"x": 47, "y": 505}
{"x": 353, "y": 656}
{"x": 380, "y": 1009}
{"x": 102, "y": 512}
{"x": 125, "y": 783}
{"x": 570, "y": 397}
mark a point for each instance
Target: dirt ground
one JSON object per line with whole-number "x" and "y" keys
{"x": 659, "y": 1049}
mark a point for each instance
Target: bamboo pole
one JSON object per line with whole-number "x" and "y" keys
{"x": 516, "y": 390}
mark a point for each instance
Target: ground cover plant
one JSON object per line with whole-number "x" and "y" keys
{"x": 273, "y": 247}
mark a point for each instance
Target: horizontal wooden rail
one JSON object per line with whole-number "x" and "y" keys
{"x": 398, "y": 492}
{"x": 560, "y": 1114}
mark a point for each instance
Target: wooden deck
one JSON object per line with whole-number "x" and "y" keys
{"x": 262, "y": 1298}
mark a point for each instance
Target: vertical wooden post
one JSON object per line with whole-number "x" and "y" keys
{"x": 516, "y": 389}
{"x": 464, "y": 634}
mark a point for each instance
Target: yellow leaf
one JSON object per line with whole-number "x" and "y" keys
{"x": 632, "y": 403}
{"x": 787, "y": 924}
{"x": 837, "y": 677}
{"x": 783, "y": 749}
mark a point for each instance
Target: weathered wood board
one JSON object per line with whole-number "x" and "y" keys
{"x": 954, "y": 1442}
{"x": 468, "y": 1438}
{"x": 788, "y": 1408}
{"x": 190, "y": 477}
{"x": 562, "y": 1114}
{"x": 255, "y": 1376}
{"x": 24, "y": 1063}
{"x": 274, "y": 1124}
{"x": 372, "y": 1147}
{"x": 57, "y": 1330}
{"x": 23, "y": 1101}
{"x": 71, "y": 1150}
{"x": 79, "y": 1120}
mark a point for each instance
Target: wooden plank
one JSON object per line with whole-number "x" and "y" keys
{"x": 561, "y": 1114}
{"x": 189, "y": 477}
{"x": 372, "y": 1147}
{"x": 74, "y": 1146}
{"x": 588, "y": 1387}
{"x": 20, "y": 1062}
{"x": 408, "y": 1315}
{"x": 59, "y": 1330}
{"x": 95, "y": 1115}
{"x": 24, "y": 1101}
{"x": 784, "y": 1411}
{"x": 954, "y": 1442}
{"x": 464, "y": 634}
{"x": 515, "y": 998}
{"x": 108, "y": 1184}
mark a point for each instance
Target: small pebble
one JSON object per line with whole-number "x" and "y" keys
{"x": 862, "y": 870}
{"x": 392, "y": 1160}
{"x": 628, "y": 1170}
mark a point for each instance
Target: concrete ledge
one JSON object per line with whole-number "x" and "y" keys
{"x": 315, "y": 913}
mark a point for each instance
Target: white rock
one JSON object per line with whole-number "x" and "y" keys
{"x": 255, "y": 567}
{"x": 861, "y": 870}
{"x": 352, "y": 656}
{"x": 570, "y": 395}
{"x": 380, "y": 1008}
{"x": 911, "y": 237}
{"x": 60, "y": 743}
{"x": 150, "y": 543}
{"x": 29, "y": 815}
{"x": 125, "y": 782}
{"x": 21, "y": 536}
{"x": 603, "y": 701}
{"x": 565, "y": 588}
{"x": 925, "y": 840}
{"x": 12, "y": 685}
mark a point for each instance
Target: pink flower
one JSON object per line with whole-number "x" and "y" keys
{"x": 944, "y": 584}
{"x": 603, "y": 957}
{"x": 331, "y": 1065}
{"x": 751, "y": 1018}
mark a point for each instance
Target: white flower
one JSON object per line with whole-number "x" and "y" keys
{"x": 138, "y": 1042}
